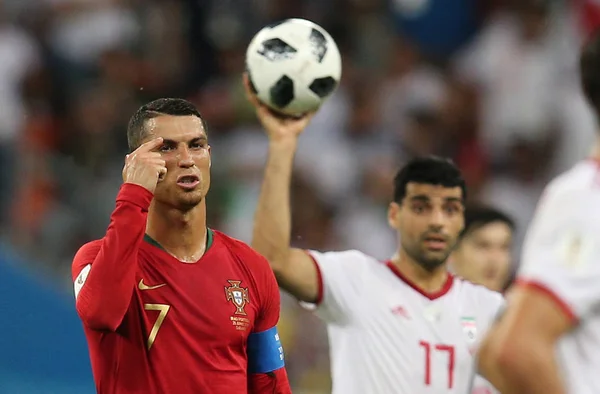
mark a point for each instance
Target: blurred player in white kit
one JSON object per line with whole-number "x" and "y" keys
{"x": 548, "y": 338}
{"x": 401, "y": 326}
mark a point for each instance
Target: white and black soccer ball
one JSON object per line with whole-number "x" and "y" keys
{"x": 293, "y": 65}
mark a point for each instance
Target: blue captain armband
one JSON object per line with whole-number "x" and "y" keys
{"x": 265, "y": 353}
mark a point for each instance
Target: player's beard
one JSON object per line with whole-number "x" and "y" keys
{"x": 429, "y": 261}
{"x": 181, "y": 200}
{"x": 188, "y": 200}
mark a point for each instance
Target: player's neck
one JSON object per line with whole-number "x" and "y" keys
{"x": 181, "y": 233}
{"x": 428, "y": 281}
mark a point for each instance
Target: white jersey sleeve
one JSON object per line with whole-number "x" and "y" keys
{"x": 561, "y": 254}
{"x": 339, "y": 287}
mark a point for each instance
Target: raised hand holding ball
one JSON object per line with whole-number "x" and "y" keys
{"x": 293, "y": 66}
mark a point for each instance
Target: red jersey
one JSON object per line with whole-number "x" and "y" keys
{"x": 157, "y": 325}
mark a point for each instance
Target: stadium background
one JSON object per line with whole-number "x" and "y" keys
{"x": 491, "y": 83}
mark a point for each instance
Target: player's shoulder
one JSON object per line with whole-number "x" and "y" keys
{"x": 351, "y": 258}
{"x": 580, "y": 180}
{"x": 87, "y": 253}
{"x": 83, "y": 259}
{"x": 479, "y": 294}
{"x": 569, "y": 198}
{"x": 239, "y": 249}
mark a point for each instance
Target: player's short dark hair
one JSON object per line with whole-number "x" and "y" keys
{"x": 478, "y": 216}
{"x": 430, "y": 170}
{"x": 136, "y": 130}
{"x": 589, "y": 67}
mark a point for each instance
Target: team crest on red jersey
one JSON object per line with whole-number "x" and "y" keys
{"x": 237, "y": 295}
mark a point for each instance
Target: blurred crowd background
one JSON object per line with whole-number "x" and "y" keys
{"x": 492, "y": 84}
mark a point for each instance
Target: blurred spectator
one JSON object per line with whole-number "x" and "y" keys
{"x": 21, "y": 60}
{"x": 516, "y": 66}
{"x": 438, "y": 27}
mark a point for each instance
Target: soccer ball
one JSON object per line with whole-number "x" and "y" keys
{"x": 293, "y": 66}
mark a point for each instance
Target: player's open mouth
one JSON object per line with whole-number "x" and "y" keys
{"x": 188, "y": 181}
{"x": 435, "y": 242}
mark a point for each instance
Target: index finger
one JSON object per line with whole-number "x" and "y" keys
{"x": 150, "y": 145}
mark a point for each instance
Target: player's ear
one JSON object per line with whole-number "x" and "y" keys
{"x": 209, "y": 158}
{"x": 394, "y": 215}
{"x": 462, "y": 219}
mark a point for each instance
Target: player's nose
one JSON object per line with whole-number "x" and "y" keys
{"x": 437, "y": 218}
{"x": 185, "y": 158}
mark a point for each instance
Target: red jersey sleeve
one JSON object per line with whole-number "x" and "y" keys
{"x": 270, "y": 301}
{"x": 104, "y": 271}
{"x": 265, "y": 353}
{"x": 275, "y": 382}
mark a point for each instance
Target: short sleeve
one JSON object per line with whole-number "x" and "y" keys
{"x": 338, "y": 274}
{"x": 561, "y": 254}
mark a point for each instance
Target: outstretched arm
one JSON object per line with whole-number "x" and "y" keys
{"x": 294, "y": 269}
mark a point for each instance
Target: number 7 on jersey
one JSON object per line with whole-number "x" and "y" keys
{"x": 429, "y": 349}
{"x": 163, "y": 309}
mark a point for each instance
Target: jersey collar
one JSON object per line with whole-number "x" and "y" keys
{"x": 209, "y": 240}
{"x": 428, "y": 294}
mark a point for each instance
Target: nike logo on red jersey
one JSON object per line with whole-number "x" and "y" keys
{"x": 143, "y": 286}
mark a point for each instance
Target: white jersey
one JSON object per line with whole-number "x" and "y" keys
{"x": 388, "y": 337}
{"x": 561, "y": 256}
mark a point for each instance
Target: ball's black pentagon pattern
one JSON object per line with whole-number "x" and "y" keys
{"x": 275, "y": 49}
{"x": 282, "y": 92}
{"x": 323, "y": 87}
{"x": 319, "y": 44}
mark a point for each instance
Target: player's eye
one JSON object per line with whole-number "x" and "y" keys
{"x": 166, "y": 148}
{"x": 452, "y": 209}
{"x": 418, "y": 208}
